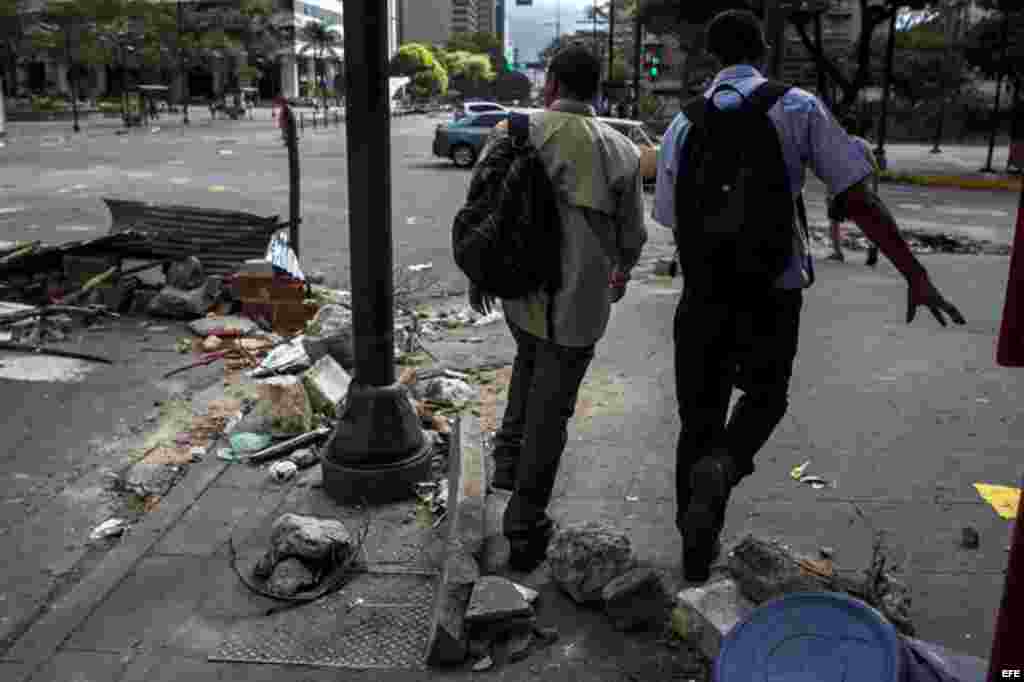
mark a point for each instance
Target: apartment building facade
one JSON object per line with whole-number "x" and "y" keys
{"x": 434, "y": 21}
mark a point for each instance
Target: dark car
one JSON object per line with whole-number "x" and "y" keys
{"x": 462, "y": 140}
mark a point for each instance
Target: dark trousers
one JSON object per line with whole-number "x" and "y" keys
{"x": 546, "y": 378}
{"x": 721, "y": 345}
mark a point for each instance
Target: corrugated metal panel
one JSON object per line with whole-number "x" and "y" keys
{"x": 221, "y": 239}
{"x": 51, "y": 257}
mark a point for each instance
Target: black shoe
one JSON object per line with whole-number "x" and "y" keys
{"x": 528, "y": 553}
{"x": 711, "y": 482}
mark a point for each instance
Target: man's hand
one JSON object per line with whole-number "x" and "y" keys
{"x": 922, "y": 292}
{"x": 479, "y": 301}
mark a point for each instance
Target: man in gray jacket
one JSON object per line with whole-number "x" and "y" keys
{"x": 595, "y": 172}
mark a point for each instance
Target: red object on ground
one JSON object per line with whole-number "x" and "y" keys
{"x": 1007, "y": 654}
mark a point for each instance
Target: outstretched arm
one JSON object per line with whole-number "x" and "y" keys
{"x": 873, "y": 217}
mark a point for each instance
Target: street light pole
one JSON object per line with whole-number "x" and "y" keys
{"x": 890, "y": 53}
{"x": 637, "y": 55}
{"x": 999, "y": 90}
{"x": 378, "y": 450}
{"x": 71, "y": 77}
{"x": 181, "y": 61}
{"x": 611, "y": 38}
{"x": 946, "y": 75}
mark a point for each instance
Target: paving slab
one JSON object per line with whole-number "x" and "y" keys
{"x": 207, "y": 525}
{"x": 14, "y": 672}
{"x": 81, "y": 666}
{"x": 150, "y": 606}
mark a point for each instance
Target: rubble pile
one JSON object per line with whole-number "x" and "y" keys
{"x": 304, "y": 551}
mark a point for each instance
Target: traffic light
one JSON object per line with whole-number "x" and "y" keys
{"x": 653, "y": 61}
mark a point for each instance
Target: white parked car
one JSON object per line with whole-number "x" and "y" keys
{"x": 476, "y": 107}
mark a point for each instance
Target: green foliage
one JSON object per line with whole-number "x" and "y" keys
{"x": 983, "y": 48}
{"x": 430, "y": 82}
{"x": 412, "y": 59}
{"x": 477, "y": 69}
{"x": 48, "y": 104}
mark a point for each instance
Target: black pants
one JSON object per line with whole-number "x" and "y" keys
{"x": 546, "y": 379}
{"x": 721, "y": 345}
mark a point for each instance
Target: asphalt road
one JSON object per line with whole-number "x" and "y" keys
{"x": 51, "y": 186}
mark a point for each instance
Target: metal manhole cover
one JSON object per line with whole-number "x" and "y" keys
{"x": 388, "y": 628}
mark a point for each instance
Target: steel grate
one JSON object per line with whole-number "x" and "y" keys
{"x": 388, "y": 628}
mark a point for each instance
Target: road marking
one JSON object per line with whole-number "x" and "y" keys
{"x": 218, "y": 188}
{"x": 76, "y": 228}
{"x": 11, "y": 209}
{"x": 137, "y": 174}
{"x": 180, "y": 181}
{"x": 911, "y": 207}
{"x": 955, "y": 210}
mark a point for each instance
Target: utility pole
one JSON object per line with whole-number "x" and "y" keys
{"x": 3, "y": 115}
{"x": 72, "y": 81}
{"x": 181, "y": 61}
{"x": 378, "y": 450}
{"x": 890, "y": 53}
{"x": 638, "y": 34}
{"x": 999, "y": 91}
{"x": 948, "y": 73}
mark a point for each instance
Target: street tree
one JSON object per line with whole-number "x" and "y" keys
{"x": 479, "y": 42}
{"x": 984, "y": 51}
{"x": 428, "y": 75}
{"x": 325, "y": 43}
{"x": 685, "y": 20}
{"x": 16, "y": 25}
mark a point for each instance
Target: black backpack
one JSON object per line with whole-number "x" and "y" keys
{"x": 508, "y": 237}
{"x": 735, "y": 214}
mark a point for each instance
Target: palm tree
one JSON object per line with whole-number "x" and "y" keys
{"x": 322, "y": 41}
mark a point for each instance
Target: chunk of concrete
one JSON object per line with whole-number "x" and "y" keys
{"x": 186, "y": 274}
{"x": 705, "y": 615}
{"x": 182, "y": 304}
{"x": 309, "y": 538}
{"x": 145, "y": 478}
{"x": 326, "y": 384}
{"x": 290, "y": 577}
{"x": 495, "y": 598}
{"x": 584, "y": 557}
{"x": 637, "y": 600}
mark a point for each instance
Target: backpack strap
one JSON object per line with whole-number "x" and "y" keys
{"x": 766, "y": 95}
{"x": 519, "y": 126}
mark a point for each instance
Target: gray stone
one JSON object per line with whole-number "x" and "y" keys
{"x": 326, "y": 384}
{"x": 304, "y": 458}
{"x": 339, "y": 346}
{"x": 637, "y": 600}
{"x": 529, "y": 594}
{"x": 141, "y": 300}
{"x": 704, "y": 615}
{"x": 309, "y": 538}
{"x": 144, "y": 478}
{"x": 186, "y": 274}
{"x": 584, "y": 557}
{"x": 181, "y": 304}
{"x": 495, "y": 598}
{"x": 290, "y": 577}
{"x": 207, "y": 325}
{"x": 519, "y": 646}
{"x": 448, "y": 389}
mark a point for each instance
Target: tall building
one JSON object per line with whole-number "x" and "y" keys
{"x": 486, "y": 16}
{"x": 434, "y": 21}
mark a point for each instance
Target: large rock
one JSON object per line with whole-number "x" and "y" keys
{"x": 182, "y": 304}
{"x": 585, "y": 557}
{"x": 326, "y": 384}
{"x": 186, "y": 274}
{"x": 704, "y": 615}
{"x": 282, "y": 408}
{"x": 637, "y": 600}
{"x": 495, "y": 599}
{"x": 314, "y": 540}
{"x": 290, "y": 577}
{"x": 448, "y": 389}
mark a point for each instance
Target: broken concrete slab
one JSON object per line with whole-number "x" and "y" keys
{"x": 236, "y": 324}
{"x": 326, "y": 384}
{"x": 637, "y": 600}
{"x": 330, "y": 333}
{"x": 447, "y": 389}
{"x": 495, "y": 598}
{"x": 290, "y": 577}
{"x": 181, "y": 304}
{"x": 704, "y": 615}
{"x": 584, "y": 557}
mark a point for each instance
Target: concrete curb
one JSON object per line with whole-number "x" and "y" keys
{"x": 43, "y": 638}
{"x": 1009, "y": 184}
{"x": 467, "y": 487}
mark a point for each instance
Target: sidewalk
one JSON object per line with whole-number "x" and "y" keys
{"x": 904, "y": 419}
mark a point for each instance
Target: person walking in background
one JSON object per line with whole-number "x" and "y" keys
{"x": 595, "y": 172}
{"x": 729, "y": 199}
{"x": 850, "y": 124}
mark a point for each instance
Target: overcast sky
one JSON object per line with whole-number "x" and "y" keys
{"x": 527, "y": 24}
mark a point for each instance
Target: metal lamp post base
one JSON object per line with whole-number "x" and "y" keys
{"x": 378, "y": 452}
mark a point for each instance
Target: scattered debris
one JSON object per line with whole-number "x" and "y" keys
{"x": 529, "y": 594}
{"x": 282, "y": 407}
{"x": 186, "y": 274}
{"x": 287, "y": 358}
{"x": 283, "y": 472}
{"x": 495, "y": 599}
{"x": 490, "y": 318}
{"x": 268, "y": 452}
{"x": 206, "y": 360}
{"x": 111, "y": 528}
{"x": 304, "y": 458}
{"x": 420, "y": 267}
{"x": 817, "y": 482}
{"x": 637, "y": 600}
{"x": 145, "y": 478}
{"x": 212, "y": 343}
{"x": 585, "y": 557}
{"x": 245, "y": 443}
{"x": 485, "y": 663}
{"x": 798, "y": 471}
{"x": 290, "y": 577}
{"x": 449, "y": 390}
{"x": 1003, "y": 499}
{"x": 704, "y": 615}
{"x": 227, "y": 325}
{"x": 327, "y": 385}
{"x": 970, "y": 539}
